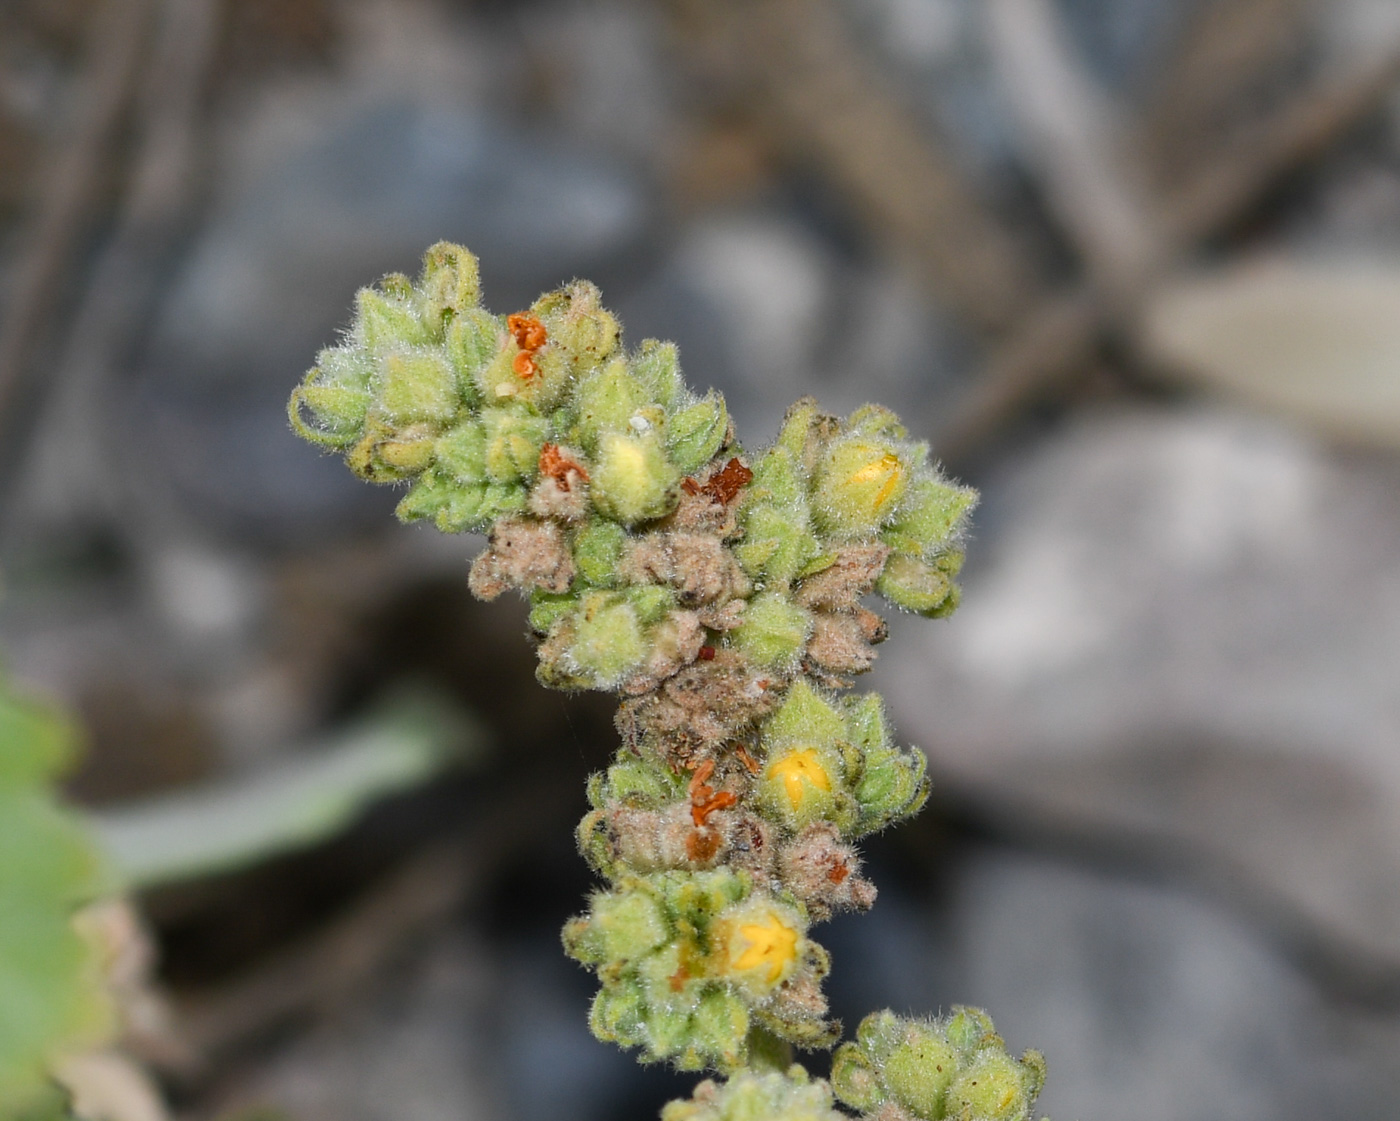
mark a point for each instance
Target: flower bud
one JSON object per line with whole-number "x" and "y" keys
{"x": 454, "y": 507}
{"x": 750, "y": 1096}
{"x": 473, "y": 341}
{"x": 388, "y": 455}
{"x": 778, "y": 479}
{"x": 547, "y": 608}
{"x": 919, "y": 1070}
{"x": 774, "y": 630}
{"x": 695, "y": 433}
{"x": 953, "y": 1068}
{"x": 656, "y": 365}
{"x": 408, "y": 454}
{"x": 336, "y": 390}
{"x": 450, "y": 281}
{"x": 995, "y": 1087}
{"x": 778, "y": 543}
{"x": 805, "y": 717}
{"x": 618, "y": 1013}
{"x": 856, "y": 1080}
{"x": 390, "y": 317}
{"x": 607, "y": 640}
{"x": 623, "y": 924}
{"x": 513, "y": 437}
{"x": 912, "y": 584}
{"x": 598, "y": 552}
{"x": 502, "y": 500}
{"x": 859, "y": 485}
{"x": 416, "y": 385}
{"x": 460, "y": 453}
{"x": 719, "y": 1027}
{"x": 634, "y": 783}
{"x": 651, "y": 602}
{"x": 930, "y": 517}
{"x": 869, "y": 727}
{"x": 876, "y": 421}
{"x": 892, "y": 786}
{"x": 585, "y": 333}
{"x": 800, "y": 434}
{"x": 606, "y": 401}
{"x": 633, "y": 479}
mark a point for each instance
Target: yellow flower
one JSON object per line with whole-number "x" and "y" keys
{"x": 769, "y": 942}
{"x": 800, "y": 770}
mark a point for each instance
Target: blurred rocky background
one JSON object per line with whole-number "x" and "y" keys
{"x": 1133, "y": 266}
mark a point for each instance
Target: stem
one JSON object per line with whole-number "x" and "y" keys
{"x": 767, "y": 1052}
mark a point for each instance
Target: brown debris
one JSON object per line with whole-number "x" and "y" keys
{"x": 723, "y": 618}
{"x": 698, "y": 509}
{"x": 696, "y": 565}
{"x": 823, "y": 871}
{"x": 698, "y": 833}
{"x": 704, "y": 799}
{"x": 851, "y": 575}
{"x": 839, "y": 643}
{"x": 562, "y": 488}
{"x": 675, "y": 642}
{"x": 523, "y": 553}
{"x": 703, "y": 845}
{"x": 529, "y": 335}
{"x": 723, "y": 486}
{"x": 800, "y": 1002}
{"x": 562, "y": 464}
{"x": 696, "y": 712}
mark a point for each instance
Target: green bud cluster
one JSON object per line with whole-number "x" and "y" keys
{"x": 788, "y": 1096}
{"x": 719, "y": 593}
{"x": 54, "y": 995}
{"x": 955, "y": 1068}
{"x": 691, "y": 961}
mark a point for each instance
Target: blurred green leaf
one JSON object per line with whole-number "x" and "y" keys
{"x": 305, "y": 798}
{"x": 52, "y": 997}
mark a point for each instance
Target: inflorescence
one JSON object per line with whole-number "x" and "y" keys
{"x": 720, "y": 594}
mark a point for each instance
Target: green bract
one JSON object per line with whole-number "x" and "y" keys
{"x": 955, "y": 1067}
{"x": 721, "y": 595}
{"x": 790, "y": 1096}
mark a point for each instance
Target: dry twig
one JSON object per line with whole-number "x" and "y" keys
{"x": 1225, "y": 54}
{"x": 319, "y": 974}
{"x": 68, "y": 189}
{"x": 1025, "y": 366}
{"x": 825, "y": 103}
{"x": 1076, "y": 142}
{"x": 123, "y": 282}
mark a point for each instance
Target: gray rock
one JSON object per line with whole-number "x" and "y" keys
{"x": 1186, "y": 623}
{"x": 1151, "y": 1005}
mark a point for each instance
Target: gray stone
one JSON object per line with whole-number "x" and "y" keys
{"x": 1186, "y": 623}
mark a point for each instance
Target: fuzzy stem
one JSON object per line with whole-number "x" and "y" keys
{"x": 767, "y": 1052}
